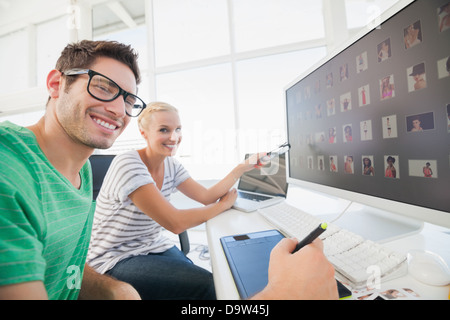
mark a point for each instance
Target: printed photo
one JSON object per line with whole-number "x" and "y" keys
{"x": 331, "y": 107}
{"x": 368, "y": 166}
{"x": 420, "y": 122}
{"x": 298, "y": 97}
{"x": 317, "y": 87}
{"x": 443, "y": 66}
{"x": 384, "y": 50}
{"x": 390, "y": 294}
{"x": 444, "y": 17}
{"x": 423, "y": 168}
{"x": 318, "y": 109}
{"x": 387, "y": 89}
{"x": 320, "y": 163}
{"x": 320, "y": 137}
{"x": 333, "y": 163}
{"x": 348, "y": 164}
{"x": 307, "y": 92}
{"x": 361, "y": 62}
{"x": 366, "y": 130}
{"x": 343, "y": 71}
{"x": 391, "y": 169}
{"x": 389, "y": 125}
{"x": 346, "y": 102}
{"x": 300, "y": 161}
{"x": 448, "y": 118}
{"x": 412, "y": 35}
{"x": 329, "y": 80}
{"x": 332, "y": 135}
{"x": 347, "y": 131}
{"x": 416, "y": 77}
{"x": 364, "y": 95}
{"x": 310, "y": 162}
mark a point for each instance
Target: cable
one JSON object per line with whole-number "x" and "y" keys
{"x": 342, "y": 213}
{"x": 204, "y": 252}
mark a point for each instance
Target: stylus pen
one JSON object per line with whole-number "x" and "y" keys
{"x": 311, "y": 237}
{"x": 282, "y": 149}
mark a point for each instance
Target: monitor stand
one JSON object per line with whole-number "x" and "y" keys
{"x": 375, "y": 224}
{"x": 371, "y": 223}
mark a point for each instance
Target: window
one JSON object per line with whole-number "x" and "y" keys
{"x": 48, "y": 48}
{"x": 14, "y": 75}
{"x": 204, "y": 98}
{"x": 363, "y": 12}
{"x": 190, "y": 30}
{"x": 267, "y": 23}
{"x": 261, "y": 84}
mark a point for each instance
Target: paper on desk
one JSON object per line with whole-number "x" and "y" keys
{"x": 390, "y": 294}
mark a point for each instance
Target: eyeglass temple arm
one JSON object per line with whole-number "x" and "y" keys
{"x": 73, "y": 72}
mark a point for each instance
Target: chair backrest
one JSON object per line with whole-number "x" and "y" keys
{"x": 100, "y": 164}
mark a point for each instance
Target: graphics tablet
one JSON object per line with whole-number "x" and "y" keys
{"x": 248, "y": 257}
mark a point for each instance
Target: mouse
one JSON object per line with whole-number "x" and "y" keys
{"x": 428, "y": 268}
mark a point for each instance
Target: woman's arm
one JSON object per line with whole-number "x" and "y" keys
{"x": 149, "y": 200}
{"x": 197, "y": 192}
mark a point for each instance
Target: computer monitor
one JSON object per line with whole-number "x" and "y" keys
{"x": 371, "y": 123}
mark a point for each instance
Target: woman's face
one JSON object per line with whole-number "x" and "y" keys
{"x": 416, "y": 124}
{"x": 163, "y": 135}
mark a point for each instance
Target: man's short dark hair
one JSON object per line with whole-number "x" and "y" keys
{"x": 84, "y": 53}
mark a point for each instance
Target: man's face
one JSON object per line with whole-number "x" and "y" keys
{"x": 91, "y": 122}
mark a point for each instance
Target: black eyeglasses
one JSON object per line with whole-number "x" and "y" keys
{"x": 104, "y": 89}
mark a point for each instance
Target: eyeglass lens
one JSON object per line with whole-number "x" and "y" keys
{"x": 106, "y": 90}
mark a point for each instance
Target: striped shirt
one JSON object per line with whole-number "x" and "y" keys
{"x": 45, "y": 222}
{"x": 121, "y": 229}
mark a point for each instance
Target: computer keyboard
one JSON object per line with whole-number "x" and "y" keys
{"x": 356, "y": 261}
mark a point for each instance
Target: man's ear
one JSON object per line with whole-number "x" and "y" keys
{"x": 54, "y": 83}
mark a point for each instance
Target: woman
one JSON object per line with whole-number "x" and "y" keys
{"x": 133, "y": 207}
{"x": 390, "y": 172}
{"x": 348, "y": 165}
{"x": 427, "y": 172}
{"x": 368, "y": 169}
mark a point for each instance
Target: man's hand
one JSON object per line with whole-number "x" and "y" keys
{"x": 306, "y": 274}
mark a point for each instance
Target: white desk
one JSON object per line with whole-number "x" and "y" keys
{"x": 232, "y": 222}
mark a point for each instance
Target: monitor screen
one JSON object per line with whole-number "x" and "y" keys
{"x": 374, "y": 119}
{"x": 270, "y": 179}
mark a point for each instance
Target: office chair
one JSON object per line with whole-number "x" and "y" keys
{"x": 100, "y": 164}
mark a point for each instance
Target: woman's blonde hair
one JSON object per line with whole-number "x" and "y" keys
{"x": 145, "y": 116}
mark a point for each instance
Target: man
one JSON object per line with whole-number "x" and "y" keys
{"x": 46, "y": 187}
{"x": 45, "y": 179}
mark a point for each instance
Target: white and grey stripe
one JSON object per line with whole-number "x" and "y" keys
{"x": 120, "y": 228}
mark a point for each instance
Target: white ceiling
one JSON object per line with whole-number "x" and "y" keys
{"x": 115, "y": 15}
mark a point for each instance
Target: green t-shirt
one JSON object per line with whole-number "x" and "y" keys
{"x": 45, "y": 222}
